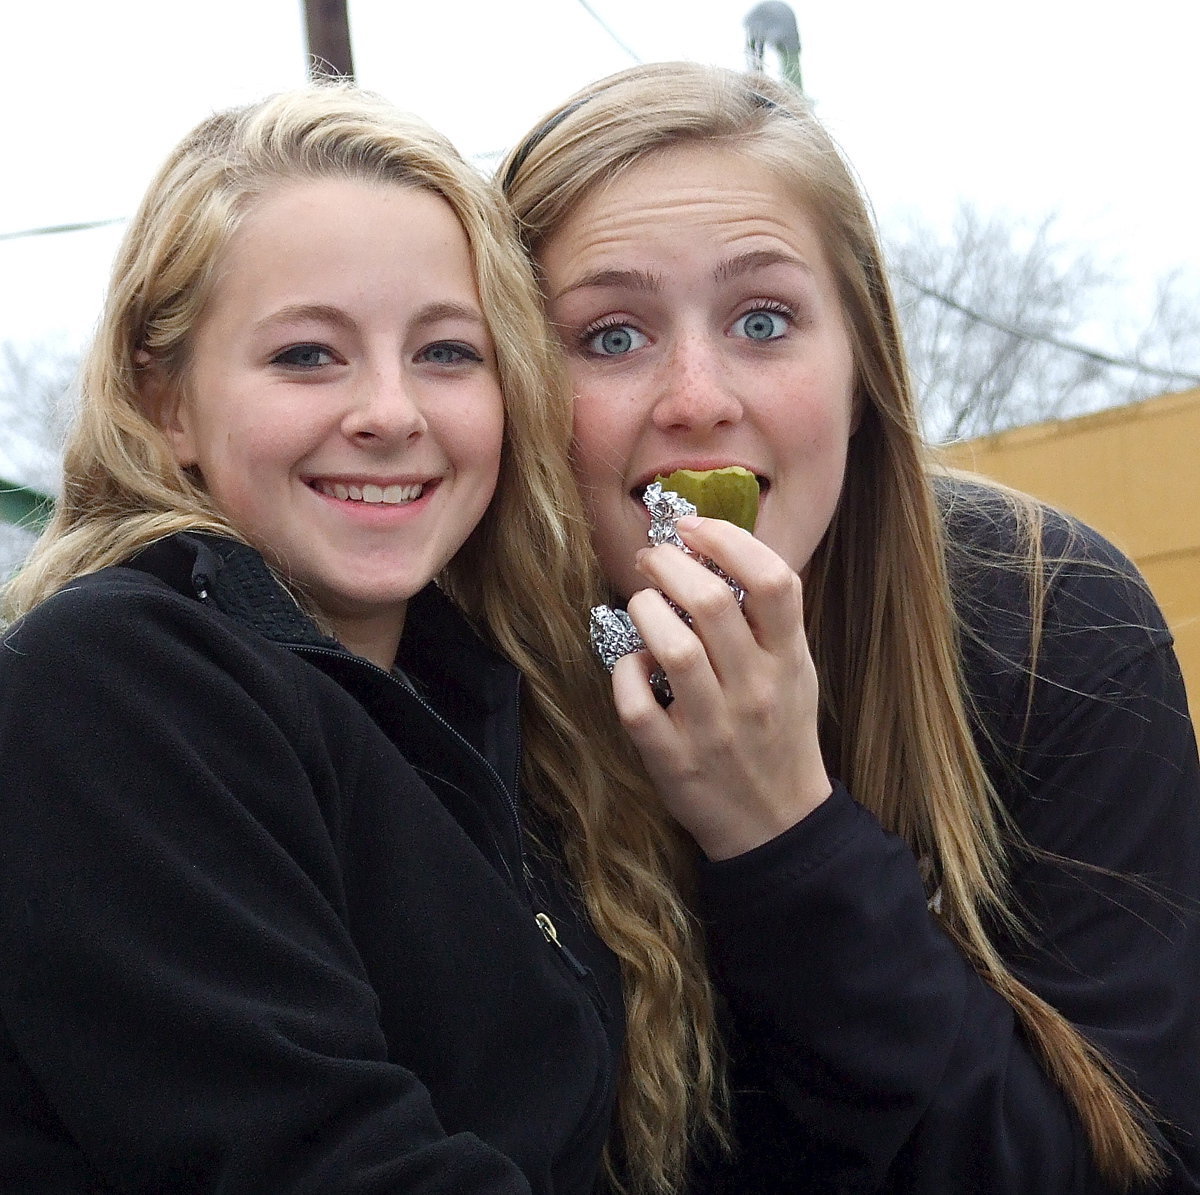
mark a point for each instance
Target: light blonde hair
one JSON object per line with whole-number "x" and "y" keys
{"x": 895, "y": 719}
{"x": 526, "y": 575}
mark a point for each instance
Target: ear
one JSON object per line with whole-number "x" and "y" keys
{"x": 163, "y": 403}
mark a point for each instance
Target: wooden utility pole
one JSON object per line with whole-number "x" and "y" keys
{"x": 327, "y": 25}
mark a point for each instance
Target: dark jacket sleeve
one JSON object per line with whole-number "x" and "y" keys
{"x": 868, "y": 1055}
{"x": 179, "y": 981}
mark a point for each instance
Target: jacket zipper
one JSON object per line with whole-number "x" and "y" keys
{"x": 580, "y": 970}
{"x": 510, "y": 802}
{"x": 551, "y": 936}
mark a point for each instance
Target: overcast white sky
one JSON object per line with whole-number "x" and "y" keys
{"x": 1029, "y": 106}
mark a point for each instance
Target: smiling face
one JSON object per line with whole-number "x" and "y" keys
{"x": 703, "y": 328}
{"x": 342, "y": 401}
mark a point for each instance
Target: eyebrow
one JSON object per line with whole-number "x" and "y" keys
{"x": 644, "y": 280}
{"x": 641, "y": 280}
{"x": 328, "y": 314}
{"x": 435, "y": 312}
{"x": 758, "y": 259}
{"x": 299, "y": 312}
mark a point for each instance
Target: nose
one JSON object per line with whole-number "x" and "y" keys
{"x": 695, "y": 392}
{"x": 385, "y": 406}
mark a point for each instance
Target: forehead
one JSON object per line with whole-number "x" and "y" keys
{"x": 705, "y": 191}
{"x": 290, "y": 205}
{"x": 358, "y": 246}
{"x": 304, "y": 228}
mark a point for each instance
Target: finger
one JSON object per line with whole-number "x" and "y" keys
{"x": 640, "y": 706}
{"x": 774, "y": 604}
{"x": 672, "y": 739}
{"x": 717, "y": 620}
{"x": 773, "y": 621}
{"x": 683, "y": 656}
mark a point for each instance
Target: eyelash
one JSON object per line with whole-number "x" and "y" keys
{"x": 602, "y": 325}
{"x": 464, "y": 352}
{"x": 774, "y": 306}
{"x": 280, "y": 357}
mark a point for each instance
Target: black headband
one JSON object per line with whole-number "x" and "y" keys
{"x": 534, "y": 139}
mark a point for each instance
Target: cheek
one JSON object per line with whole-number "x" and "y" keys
{"x": 824, "y": 416}
{"x": 481, "y": 447}
{"x": 471, "y": 429}
{"x": 488, "y": 427}
{"x": 599, "y": 443}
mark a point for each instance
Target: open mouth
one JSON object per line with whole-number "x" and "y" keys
{"x": 387, "y": 495}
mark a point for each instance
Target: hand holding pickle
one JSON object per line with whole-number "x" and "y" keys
{"x": 735, "y": 757}
{"x": 730, "y": 493}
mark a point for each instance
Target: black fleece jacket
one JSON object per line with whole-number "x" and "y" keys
{"x": 267, "y": 922}
{"x": 870, "y": 1056}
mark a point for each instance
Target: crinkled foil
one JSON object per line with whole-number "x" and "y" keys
{"x": 612, "y": 631}
{"x": 666, "y": 509}
{"x": 613, "y": 635}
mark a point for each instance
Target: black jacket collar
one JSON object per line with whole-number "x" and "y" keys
{"x": 452, "y": 666}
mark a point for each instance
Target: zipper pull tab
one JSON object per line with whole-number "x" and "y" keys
{"x": 551, "y": 936}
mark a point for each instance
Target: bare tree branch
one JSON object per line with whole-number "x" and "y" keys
{"x": 994, "y": 313}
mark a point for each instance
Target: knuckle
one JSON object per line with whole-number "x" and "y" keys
{"x": 779, "y": 582}
{"x": 714, "y": 601}
{"x": 636, "y": 718}
{"x": 682, "y": 656}
{"x": 759, "y": 704}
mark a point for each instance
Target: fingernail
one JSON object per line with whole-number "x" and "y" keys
{"x": 688, "y": 522}
{"x": 639, "y": 554}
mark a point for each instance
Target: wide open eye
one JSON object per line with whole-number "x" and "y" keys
{"x": 614, "y": 340}
{"x": 761, "y": 324}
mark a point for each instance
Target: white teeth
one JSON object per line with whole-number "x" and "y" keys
{"x": 392, "y": 495}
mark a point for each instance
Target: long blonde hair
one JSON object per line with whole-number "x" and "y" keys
{"x": 895, "y": 721}
{"x": 526, "y": 576}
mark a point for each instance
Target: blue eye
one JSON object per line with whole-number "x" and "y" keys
{"x": 615, "y": 340}
{"x": 447, "y": 352}
{"x": 304, "y": 356}
{"x": 761, "y": 324}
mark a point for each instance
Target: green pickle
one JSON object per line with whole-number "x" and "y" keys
{"x": 730, "y": 493}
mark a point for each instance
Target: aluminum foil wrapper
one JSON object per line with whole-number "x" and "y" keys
{"x": 613, "y": 633}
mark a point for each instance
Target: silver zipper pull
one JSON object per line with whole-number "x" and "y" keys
{"x": 551, "y": 936}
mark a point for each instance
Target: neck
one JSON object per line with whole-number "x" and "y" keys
{"x": 376, "y": 639}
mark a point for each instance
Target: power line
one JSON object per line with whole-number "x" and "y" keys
{"x": 1057, "y": 342}
{"x": 50, "y": 230}
{"x": 607, "y": 29}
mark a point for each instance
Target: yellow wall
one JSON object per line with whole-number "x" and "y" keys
{"x": 1133, "y": 473}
